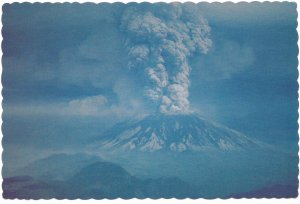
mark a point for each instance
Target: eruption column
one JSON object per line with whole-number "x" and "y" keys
{"x": 160, "y": 41}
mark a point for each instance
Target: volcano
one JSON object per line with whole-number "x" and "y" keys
{"x": 178, "y": 133}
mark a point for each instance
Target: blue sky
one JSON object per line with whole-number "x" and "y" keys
{"x": 66, "y": 76}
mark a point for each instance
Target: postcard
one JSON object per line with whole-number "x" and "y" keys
{"x": 150, "y": 100}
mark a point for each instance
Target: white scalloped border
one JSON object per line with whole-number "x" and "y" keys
{"x": 161, "y": 200}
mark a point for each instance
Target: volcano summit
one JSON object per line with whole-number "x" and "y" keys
{"x": 179, "y": 133}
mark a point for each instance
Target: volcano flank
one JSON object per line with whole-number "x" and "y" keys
{"x": 178, "y": 133}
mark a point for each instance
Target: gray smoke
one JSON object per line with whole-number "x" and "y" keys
{"x": 160, "y": 41}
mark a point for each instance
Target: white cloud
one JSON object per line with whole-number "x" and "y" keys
{"x": 93, "y": 105}
{"x": 127, "y": 104}
{"x": 227, "y": 59}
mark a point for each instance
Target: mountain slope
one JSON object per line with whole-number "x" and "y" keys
{"x": 57, "y": 166}
{"x": 174, "y": 133}
{"x": 108, "y": 180}
{"x": 98, "y": 180}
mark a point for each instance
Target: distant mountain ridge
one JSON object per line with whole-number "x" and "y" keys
{"x": 97, "y": 180}
{"x": 59, "y": 166}
{"x": 107, "y": 180}
{"x": 110, "y": 181}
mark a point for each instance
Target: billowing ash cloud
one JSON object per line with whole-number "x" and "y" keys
{"x": 160, "y": 41}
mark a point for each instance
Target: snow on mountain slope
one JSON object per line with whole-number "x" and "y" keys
{"x": 173, "y": 133}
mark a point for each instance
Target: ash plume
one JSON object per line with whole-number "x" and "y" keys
{"x": 160, "y": 41}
